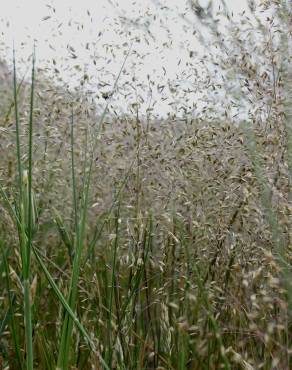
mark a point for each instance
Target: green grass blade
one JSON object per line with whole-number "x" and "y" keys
{"x": 18, "y": 151}
{"x": 61, "y": 298}
{"x": 30, "y": 144}
{"x": 74, "y": 187}
{"x": 65, "y": 304}
{"x": 113, "y": 285}
{"x": 29, "y": 232}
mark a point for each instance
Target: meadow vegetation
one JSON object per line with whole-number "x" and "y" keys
{"x": 138, "y": 242}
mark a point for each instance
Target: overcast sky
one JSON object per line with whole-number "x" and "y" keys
{"x": 29, "y": 19}
{"x": 68, "y": 31}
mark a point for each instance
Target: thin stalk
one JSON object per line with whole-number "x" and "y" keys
{"x": 74, "y": 188}
{"x": 28, "y": 325}
{"x": 137, "y": 280}
{"x": 113, "y": 284}
{"x": 18, "y": 152}
{"x": 8, "y": 113}
{"x": 98, "y": 231}
{"x": 30, "y": 199}
{"x": 28, "y": 243}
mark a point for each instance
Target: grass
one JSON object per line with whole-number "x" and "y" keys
{"x": 142, "y": 245}
{"x": 156, "y": 287}
{"x": 25, "y": 213}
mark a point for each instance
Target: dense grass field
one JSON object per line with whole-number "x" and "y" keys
{"x": 154, "y": 245}
{"x": 135, "y": 243}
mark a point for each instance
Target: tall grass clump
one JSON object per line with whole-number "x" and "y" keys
{"x": 25, "y": 211}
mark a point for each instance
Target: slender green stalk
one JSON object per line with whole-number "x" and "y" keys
{"x": 7, "y": 116}
{"x": 18, "y": 154}
{"x": 74, "y": 188}
{"x": 29, "y": 233}
{"x": 113, "y": 284}
{"x": 30, "y": 225}
{"x": 28, "y": 324}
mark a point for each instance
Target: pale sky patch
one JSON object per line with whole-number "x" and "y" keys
{"x": 72, "y": 31}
